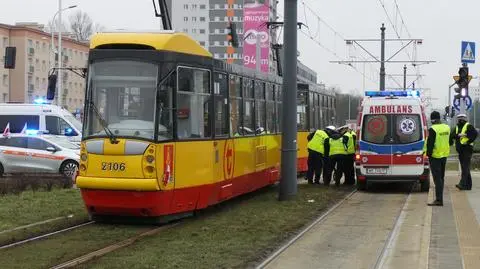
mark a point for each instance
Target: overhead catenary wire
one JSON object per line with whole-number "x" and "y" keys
{"x": 316, "y": 38}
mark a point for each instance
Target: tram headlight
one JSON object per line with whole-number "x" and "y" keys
{"x": 150, "y": 159}
{"x": 83, "y": 157}
{"x": 149, "y": 162}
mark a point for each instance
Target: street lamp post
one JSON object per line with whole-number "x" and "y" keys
{"x": 52, "y": 52}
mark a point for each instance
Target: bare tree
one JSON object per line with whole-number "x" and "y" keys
{"x": 82, "y": 26}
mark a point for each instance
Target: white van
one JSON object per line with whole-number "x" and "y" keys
{"x": 48, "y": 119}
{"x": 391, "y": 135}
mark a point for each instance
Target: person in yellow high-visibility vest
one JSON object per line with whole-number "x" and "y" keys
{"x": 438, "y": 150}
{"x": 316, "y": 150}
{"x": 464, "y": 134}
{"x": 335, "y": 150}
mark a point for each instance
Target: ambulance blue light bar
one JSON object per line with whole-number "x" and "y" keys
{"x": 392, "y": 93}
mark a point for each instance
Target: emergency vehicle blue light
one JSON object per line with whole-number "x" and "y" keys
{"x": 392, "y": 93}
{"x": 68, "y": 130}
{"x": 40, "y": 101}
{"x": 31, "y": 132}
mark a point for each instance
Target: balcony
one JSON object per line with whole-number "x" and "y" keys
{"x": 31, "y": 51}
{"x": 31, "y": 69}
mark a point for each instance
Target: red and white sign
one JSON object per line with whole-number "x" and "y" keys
{"x": 391, "y": 109}
{"x": 167, "y": 164}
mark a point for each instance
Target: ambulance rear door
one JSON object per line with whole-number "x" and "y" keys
{"x": 375, "y": 141}
{"x": 408, "y": 135}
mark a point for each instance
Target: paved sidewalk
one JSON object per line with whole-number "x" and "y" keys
{"x": 356, "y": 234}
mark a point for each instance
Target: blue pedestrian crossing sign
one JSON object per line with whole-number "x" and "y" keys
{"x": 468, "y": 52}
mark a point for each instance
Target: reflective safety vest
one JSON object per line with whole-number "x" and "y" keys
{"x": 441, "y": 149}
{"x": 463, "y": 140}
{"x": 317, "y": 141}
{"x": 337, "y": 147}
{"x": 351, "y": 142}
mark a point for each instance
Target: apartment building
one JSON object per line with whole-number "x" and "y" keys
{"x": 34, "y": 57}
{"x": 207, "y": 20}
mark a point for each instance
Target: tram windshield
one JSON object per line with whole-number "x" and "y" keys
{"x": 121, "y": 101}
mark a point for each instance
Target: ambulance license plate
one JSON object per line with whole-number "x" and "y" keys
{"x": 377, "y": 170}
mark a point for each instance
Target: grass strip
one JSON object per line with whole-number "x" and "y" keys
{"x": 235, "y": 234}
{"x": 64, "y": 247}
{"x": 30, "y": 207}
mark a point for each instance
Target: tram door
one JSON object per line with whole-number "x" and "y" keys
{"x": 223, "y": 148}
{"x": 260, "y": 143}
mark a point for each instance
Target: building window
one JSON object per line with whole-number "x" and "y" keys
{"x": 194, "y": 18}
{"x": 194, "y": 31}
{"x": 202, "y": 6}
{"x": 194, "y": 6}
{"x": 217, "y": 18}
{"x": 185, "y": 6}
{"x": 185, "y": 18}
{"x": 30, "y": 43}
{"x": 5, "y": 41}
{"x": 202, "y": 43}
{"x": 202, "y": 31}
{"x": 37, "y": 45}
{"x": 202, "y": 18}
{"x": 5, "y": 80}
{"x": 185, "y": 30}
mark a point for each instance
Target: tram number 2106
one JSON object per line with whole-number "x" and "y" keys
{"x": 107, "y": 166}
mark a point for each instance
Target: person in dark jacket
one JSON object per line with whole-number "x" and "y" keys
{"x": 463, "y": 135}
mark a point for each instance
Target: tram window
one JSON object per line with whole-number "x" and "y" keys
{"x": 235, "y": 90}
{"x": 317, "y": 111}
{"x": 124, "y": 95}
{"x": 193, "y": 102}
{"x": 301, "y": 111}
{"x": 221, "y": 104}
{"x": 260, "y": 125}
{"x": 248, "y": 127}
{"x": 278, "y": 111}
{"x": 311, "y": 111}
{"x": 270, "y": 108}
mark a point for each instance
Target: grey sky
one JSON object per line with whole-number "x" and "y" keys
{"x": 435, "y": 21}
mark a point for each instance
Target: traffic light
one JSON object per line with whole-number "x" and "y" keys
{"x": 462, "y": 82}
{"x": 52, "y": 83}
{"x": 232, "y": 35}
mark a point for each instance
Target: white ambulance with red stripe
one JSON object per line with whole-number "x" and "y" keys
{"x": 392, "y": 130}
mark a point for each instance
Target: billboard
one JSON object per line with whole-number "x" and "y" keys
{"x": 255, "y": 17}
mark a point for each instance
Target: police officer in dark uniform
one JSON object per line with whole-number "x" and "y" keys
{"x": 349, "y": 161}
{"x": 464, "y": 135}
{"x": 437, "y": 150}
{"x": 316, "y": 150}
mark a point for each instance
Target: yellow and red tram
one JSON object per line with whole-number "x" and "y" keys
{"x": 169, "y": 130}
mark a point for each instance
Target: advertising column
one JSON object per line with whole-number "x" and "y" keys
{"x": 255, "y": 18}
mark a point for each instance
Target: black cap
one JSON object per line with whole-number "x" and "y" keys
{"x": 435, "y": 115}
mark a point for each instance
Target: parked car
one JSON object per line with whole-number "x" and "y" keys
{"x": 26, "y": 153}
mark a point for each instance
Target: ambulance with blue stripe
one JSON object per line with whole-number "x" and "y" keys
{"x": 392, "y": 130}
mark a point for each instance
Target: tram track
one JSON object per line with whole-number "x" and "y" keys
{"x": 46, "y": 235}
{"x": 379, "y": 260}
{"x": 113, "y": 247}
